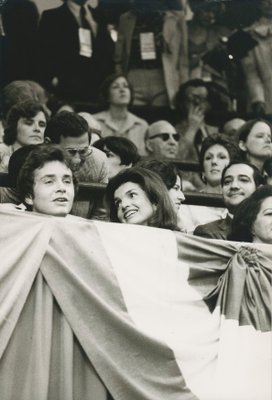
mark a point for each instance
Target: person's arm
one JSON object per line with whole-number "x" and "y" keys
{"x": 253, "y": 82}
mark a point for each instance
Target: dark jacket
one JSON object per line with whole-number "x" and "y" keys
{"x": 219, "y": 229}
{"x": 79, "y": 77}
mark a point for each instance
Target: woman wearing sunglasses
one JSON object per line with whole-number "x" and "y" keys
{"x": 139, "y": 196}
{"x": 162, "y": 140}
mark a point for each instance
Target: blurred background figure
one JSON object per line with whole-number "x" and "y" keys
{"x": 152, "y": 50}
{"x": 115, "y": 96}
{"x": 267, "y": 171}
{"x": 139, "y": 196}
{"x": 255, "y": 142}
{"x": 162, "y": 140}
{"x": 19, "y": 50}
{"x": 94, "y": 126}
{"x": 25, "y": 125}
{"x": 231, "y": 127}
{"x": 257, "y": 64}
{"x": 200, "y": 109}
{"x": 121, "y": 153}
{"x": 75, "y": 50}
{"x": 205, "y": 31}
{"x": 252, "y": 221}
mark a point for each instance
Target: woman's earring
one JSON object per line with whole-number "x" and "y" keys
{"x": 203, "y": 178}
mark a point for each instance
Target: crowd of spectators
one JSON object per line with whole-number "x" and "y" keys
{"x": 126, "y": 98}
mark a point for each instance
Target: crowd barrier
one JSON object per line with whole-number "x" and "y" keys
{"x": 90, "y": 310}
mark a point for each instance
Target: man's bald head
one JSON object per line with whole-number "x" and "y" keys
{"x": 162, "y": 140}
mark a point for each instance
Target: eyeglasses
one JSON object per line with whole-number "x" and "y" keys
{"x": 83, "y": 153}
{"x": 166, "y": 136}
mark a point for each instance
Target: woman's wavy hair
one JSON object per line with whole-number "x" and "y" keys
{"x": 222, "y": 140}
{"x": 156, "y": 191}
{"x": 246, "y": 214}
{"x": 245, "y": 130}
{"x": 26, "y": 109}
{"x": 166, "y": 170}
{"x": 105, "y": 89}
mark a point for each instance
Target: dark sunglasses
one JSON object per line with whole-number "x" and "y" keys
{"x": 166, "y": 136}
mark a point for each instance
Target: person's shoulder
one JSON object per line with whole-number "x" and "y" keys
{"x": 208, "y": 229}
{"x": 5, "y": 149}
{"x": 137, "y": 119}
{"x": 101, "y": 116}
{"x": 54, "y": 12}
{"x": 98, "y": 155}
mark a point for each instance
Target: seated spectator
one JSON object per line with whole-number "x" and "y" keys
{"x": 116, "y": 120}
{"x": 215, "y": 154}
{"x": 45, "y": 183}
{"x": 255, "y": 142}
{"x": 161, "y": 140}
{"x": 17, "y": 92}
{"x": 172, "y": 179}
{"x": 94, "y": 126}
{"x": 121, "y": 153}
{"x": 252, "y": 221}
{"x": 257, "y": 64}
{"x": 267, "y": 171}
{"x": 239, "y": 181}
{"x": 8, "y": 192}
{"x": 20, "y": 91}
{"x": 88, "y": 164}
{"x": 231, "y": 127}
{"x": 25, "y": 125}
{"x": 138, "y": 196}
{"x": 195, "y": 100}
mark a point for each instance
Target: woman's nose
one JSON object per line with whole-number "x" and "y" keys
{"x": 181, "y": 196}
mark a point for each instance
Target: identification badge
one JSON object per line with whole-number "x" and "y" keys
{"x": 147, "y": 46}
{"x": 85, "y": 42}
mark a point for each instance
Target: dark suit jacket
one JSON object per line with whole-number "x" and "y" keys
{"x": 79, "y": 77}
{"x": 218, "y": 229}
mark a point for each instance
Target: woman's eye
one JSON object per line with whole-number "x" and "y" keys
{"x": 48, "y": 181}
{"x": 117, "y": 203}
{"x": 42, "y": 124}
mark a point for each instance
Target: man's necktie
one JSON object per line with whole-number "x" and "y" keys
{"x": 84, "y": 22}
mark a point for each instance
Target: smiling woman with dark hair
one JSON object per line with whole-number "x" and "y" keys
{"x": 252, "y": 220}
{"x": 138, "y": 196}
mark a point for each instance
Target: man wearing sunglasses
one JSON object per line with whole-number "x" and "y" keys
{"x": 162, "y": 140}
{"x": 71, "y": 132}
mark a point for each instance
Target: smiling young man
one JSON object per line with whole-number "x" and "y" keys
{"x": 45, "y": 183}
{"x": 239, "y": 181}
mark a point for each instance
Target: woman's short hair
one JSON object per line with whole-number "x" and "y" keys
{"x": 222, "y": 140}
{"x": 246, "y": 128}
{"x": 26, "y": 109}
{"x": 104, "y": 91}
{"x": 246, "y": 214}
{"x": 36, "y": 159}
{"x": 20, "y": 91}
{"x": 123, "y": 147}
{"x": 166, "y": 170}
{"x": 153, "y": 186}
